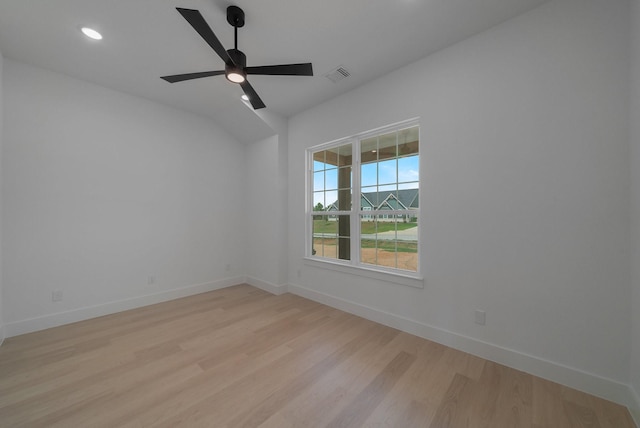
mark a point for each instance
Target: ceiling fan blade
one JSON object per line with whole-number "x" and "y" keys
{"x": 198, "y": 23}
{"x": 181, "y": 77}
{"x": 254, "y": 99}
{"x": 282, "y": 70}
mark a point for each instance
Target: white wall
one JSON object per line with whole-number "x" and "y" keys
{"x": 101, "y": 191}
{"x": 262, "y": 252}
{"x": 635, "y": 203}
{"x": 267, "y": 223}
{"x": 525, "y": 210}
{"x": 2, "y": 333}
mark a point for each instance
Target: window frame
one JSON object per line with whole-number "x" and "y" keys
{"x": 356, "y": 213}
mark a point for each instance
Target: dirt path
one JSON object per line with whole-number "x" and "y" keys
{"x": 407, "y": 261}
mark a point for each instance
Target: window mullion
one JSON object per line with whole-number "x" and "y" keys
{"x": 355, "y": 204}
{"x": 308, "y": 244}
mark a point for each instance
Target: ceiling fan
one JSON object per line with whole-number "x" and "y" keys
{"x": 235, "y": 61}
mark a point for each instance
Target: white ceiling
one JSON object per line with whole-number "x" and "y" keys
{"x": 146, "y": 39}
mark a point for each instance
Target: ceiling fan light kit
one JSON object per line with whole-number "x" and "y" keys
{"x": 235, "y": 73}
{"x": 235, "y": 69}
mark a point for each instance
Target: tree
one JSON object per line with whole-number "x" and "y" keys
{"x": 318, "y": 207}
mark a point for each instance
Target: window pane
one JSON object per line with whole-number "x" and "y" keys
{"x": 388, "y": 171}
{"x": 389, "y": 241}
{"x": 384, "y": 190}
{"x": 331, "y": 200}
{"x": 408, "y": 141}
{"x": 391, "y": 201}
{"x": 325, "y": 234}
{"x": 318, "y": 161}
{"x": 408, "y": 199}
{"x": 318, "y": 166}
{"x": 344, "y": 237}
{"x": 343, "y": 200}
{"x": 387, "y": 146}
{"x": 331, "y": 179}
{"x": 369, "y": 197}
{"x": 322, "y": 159}
{"x": 344, "y": 177}
{"x": 369, "y": 144}
{"x": 345, "y": 157}
{"x": 318, "y": 201}
{"x": 369, "y": 174}
{"x": 318, "y": 180}
{"x": 325, "y": 247}
{"x": 331, "y": 236}
{"x": 344, "y": 183}
{"x": 408, "y": 170}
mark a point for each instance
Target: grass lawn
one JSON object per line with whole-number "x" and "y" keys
{"x": 367, "y": 227}
{"x": 384, "y": 226}
{"x": 402, "y": 246}
{"x": 391, "y": 246}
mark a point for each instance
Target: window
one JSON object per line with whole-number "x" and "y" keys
{"x": 363, "y": 199}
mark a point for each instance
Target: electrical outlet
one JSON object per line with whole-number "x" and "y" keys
{"x": 481, "y": 317}
{"x": 151, "y": 280}
{"x": 56, "y": 296}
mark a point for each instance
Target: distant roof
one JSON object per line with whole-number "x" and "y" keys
{"x": 407, "y": 197}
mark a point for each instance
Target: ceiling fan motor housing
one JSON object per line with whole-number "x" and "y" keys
{"x": 238, "y": 57}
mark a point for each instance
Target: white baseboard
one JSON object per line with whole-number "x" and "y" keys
{"x": 54, "y": 320}
{"x": 593, "y": 384}
{"x": 578, "y": 379}
{"x": 267, "y": 286}
{"x": 634, "y": 405}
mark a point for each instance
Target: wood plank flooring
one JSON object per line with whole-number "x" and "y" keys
{"x": 241, "y": 357}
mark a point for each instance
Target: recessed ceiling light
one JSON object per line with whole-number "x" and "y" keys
{"x": 244, "y": 97}
{"x": 91, "y": 33}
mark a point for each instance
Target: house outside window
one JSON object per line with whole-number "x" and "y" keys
{"x": 368, "y": 187}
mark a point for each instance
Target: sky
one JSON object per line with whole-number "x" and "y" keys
{"x": 383, "y": 175}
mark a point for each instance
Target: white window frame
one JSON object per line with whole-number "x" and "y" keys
{"x": 355, "y": 266}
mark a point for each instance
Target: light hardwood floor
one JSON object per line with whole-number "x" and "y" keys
{"x": 241, "y": 357}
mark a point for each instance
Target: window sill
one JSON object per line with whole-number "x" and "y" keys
{"x": 396, "y": 278}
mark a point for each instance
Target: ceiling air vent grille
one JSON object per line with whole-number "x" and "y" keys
{"x": 338, "y": 74}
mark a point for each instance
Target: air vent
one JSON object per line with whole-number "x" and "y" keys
{"x": 338, "y": 74}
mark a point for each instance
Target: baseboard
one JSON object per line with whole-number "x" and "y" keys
{"x": 593, "y": 384}
{"x": 267, "y": 286}
{"x": 54, "y": 320}
{"x": 634, "y": 405}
